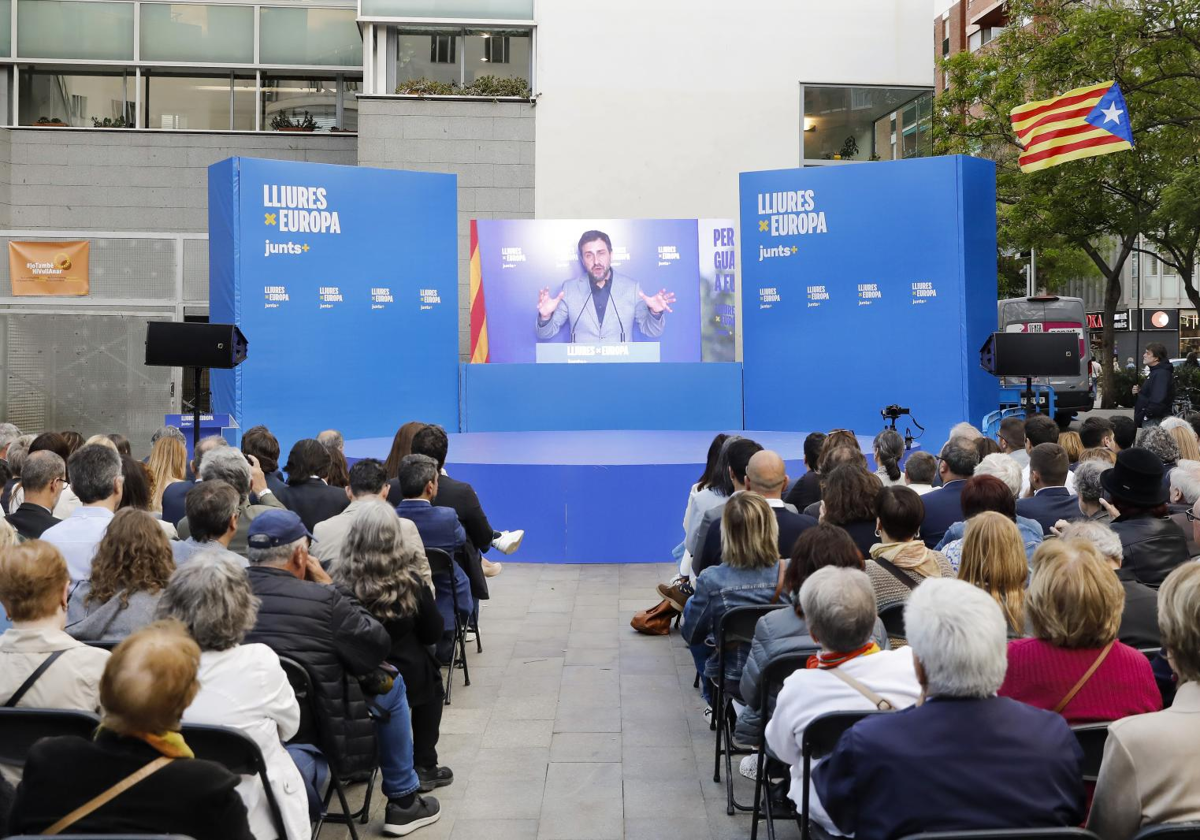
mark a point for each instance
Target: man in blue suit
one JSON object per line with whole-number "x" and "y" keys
{"x": 175, "y": 495}
{"x": 439, "y": 528}
{"x": 965, "y": 759}
{"x": 1051, "y": 500}
{"x": 943, "y": 507}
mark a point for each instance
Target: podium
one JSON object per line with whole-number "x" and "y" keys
{"x": 210, "y": 424}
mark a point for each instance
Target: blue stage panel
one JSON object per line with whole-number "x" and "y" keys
{"x": 551, "y": 397}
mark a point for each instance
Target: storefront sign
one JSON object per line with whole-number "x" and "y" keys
{"x": 48, "y": 268}
{"x": 1161, "y": 320}
{"x": 1095, "y": 320}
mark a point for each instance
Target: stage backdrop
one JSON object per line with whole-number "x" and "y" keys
{"x": 866, "y": 286}
{"x": 344, "y": 280}
{"x": 513, "y": 259}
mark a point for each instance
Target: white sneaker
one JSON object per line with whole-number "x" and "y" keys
{"x": 508, "y": 541}
{"x": 708, "y": 714}
{"x": 749, "y": 767}
{"x": 469, "y": 635}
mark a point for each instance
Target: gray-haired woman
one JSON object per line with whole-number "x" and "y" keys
{"x": 241, "y": 686}
{"x": 383, "y": 569}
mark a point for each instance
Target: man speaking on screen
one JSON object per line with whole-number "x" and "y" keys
{"x": 602, "y": 306}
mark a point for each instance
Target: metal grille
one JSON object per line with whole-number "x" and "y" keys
{"x": 195, "y": 269}
{"x": 141, "y": 269}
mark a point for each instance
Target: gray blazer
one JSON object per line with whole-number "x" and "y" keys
{"x": 92, "y": 622}
{"x": 576, "y": 310}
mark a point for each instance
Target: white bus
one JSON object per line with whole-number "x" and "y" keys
{"x": 1051, "y": 313}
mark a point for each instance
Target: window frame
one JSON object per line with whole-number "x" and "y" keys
{"x": 929, "y": 90}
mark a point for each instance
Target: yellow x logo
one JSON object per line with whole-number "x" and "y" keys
{"x": 304, "y": 247}
{"x": 762, "y": 226}
{"x": 270, "y": 218}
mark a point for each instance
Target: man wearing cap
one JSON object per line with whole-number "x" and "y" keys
{"x": 304, "y": 617}
{"x": 1152, "y": 544}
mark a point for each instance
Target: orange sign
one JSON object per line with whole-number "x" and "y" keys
{"x": 48, "y": 268}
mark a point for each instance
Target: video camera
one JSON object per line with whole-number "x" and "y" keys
{"x": 893, "y": 413}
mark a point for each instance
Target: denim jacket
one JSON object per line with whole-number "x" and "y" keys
{"x": 718, "y": 590}
{"x": 1030, "y": 529}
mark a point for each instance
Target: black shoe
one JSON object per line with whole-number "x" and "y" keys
{"x": 434, "y": 777}
{"x": 399, "y": 821}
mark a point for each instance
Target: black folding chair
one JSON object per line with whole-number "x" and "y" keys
{"x": 1149, "y": 652}
{"x": 820, "y": 737}
{"x": 1170, "y": 831}
{"x": 735, "y": 627}
{"x": 116, "y": 836}
{"x": 776, "y": 671}
{"x": 21, "y": 728}
{"x": 892, "y": 617}
{"x": 239, "y": 754}
{"x": 1091, "y": 738}
{"x": 441, "y": 565}
{"x": 104, "y": 644}
{"x": 313, "y": 731}
{"x": 1008, "y": 834}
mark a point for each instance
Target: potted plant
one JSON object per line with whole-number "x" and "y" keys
{"x": 47, "y": 122}
{"x": 282, "y": 122}
{"x": 110, "y": 122}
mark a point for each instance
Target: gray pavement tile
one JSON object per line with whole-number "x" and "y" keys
{"x": 601, "y": 657}
{"x": 663, "y": 797}
{"x": 513, "y": 763}
{"x": 588, "y": 747}
{"x": 582, "y": 802}
{"x": 587, "y": 718}
{"x": 501, "y": 799}
{"x": 504, "y": 732}
{"x": 489, "y": 829}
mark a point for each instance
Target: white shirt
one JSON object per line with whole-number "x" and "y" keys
{"x": 77, "y": 537}
{"x": 809, "y": 693}
{"x": 921, "y": 489}
{"x": 1070, "y": 485}
{"x": 245, "y": 688}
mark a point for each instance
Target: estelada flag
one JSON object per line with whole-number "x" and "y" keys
{"x": 479, "y": 331}
{"x": 1085, "y": 122}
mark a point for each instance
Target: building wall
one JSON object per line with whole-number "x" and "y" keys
{"x": 488, "y": 145}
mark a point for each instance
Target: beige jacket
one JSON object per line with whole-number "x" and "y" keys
{"x": 330, "y": 535}
{"x": 1150, "y": 774}
{"x": 72, "y": 682}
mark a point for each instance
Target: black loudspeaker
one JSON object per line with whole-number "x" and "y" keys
{"x": 1031, "y": 354}
{"x": 180, "y": 344}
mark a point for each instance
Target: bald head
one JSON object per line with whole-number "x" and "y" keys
{"x": 765, "y": 474}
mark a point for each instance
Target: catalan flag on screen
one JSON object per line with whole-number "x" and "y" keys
{"x": 1085, "y": 122}
{"x": 479, "y": 330}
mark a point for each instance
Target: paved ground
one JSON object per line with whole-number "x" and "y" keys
{"x": 574, "y": 726}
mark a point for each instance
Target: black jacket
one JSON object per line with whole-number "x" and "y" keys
{"x": 461, "y": 496}
{"x": 412, "y": 637}
{"x": 315, "y": 501}
{"x": 1139, "y": 621}
{"x": 173, "y": 500}
{"x": 1156, "y": 395}
{"x": 30, "y": 520}
{"x": 805, "y": 491}
{"x": 791, "y": 526}
{"x": 188, "y": 796}
{"x": 1152, "y": 547}
{"x": 337, "y": 640}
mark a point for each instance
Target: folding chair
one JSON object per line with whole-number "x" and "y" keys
{"x": 1170, "y": 831}
{"x": 820, "y": 737}
{"x": 776, "y": 671}
{"x": 1008, "y": 834}
{"x": 116, "y": 836}
{"x": 312, "y": 731}
{"x": 736, "y": 627}
{"x": 441, "y": 564}
{"x": 1149, "y": 652}
{"x": 1091, "y": 738}
{"x": 239, "y": 754}
{"x": 21, "y": 728}
{"x": 104, "y": 644}
{"x": 892, "y": 617}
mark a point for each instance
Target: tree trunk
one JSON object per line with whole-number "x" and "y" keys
{"x": 1112, "y": 296}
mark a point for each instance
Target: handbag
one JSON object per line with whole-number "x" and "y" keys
{"x": 881, "y": 703}
{"x": 109, "y": 795}
{"x": 655, "y": 621}
{"x": 1087, "y": 675}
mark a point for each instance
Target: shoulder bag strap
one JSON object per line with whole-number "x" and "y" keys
{"x": 1062, "y": 704}
{"x": 108, "y": 795}
{"x": 896, "y": 573}
{"x": 31, "y": 679}
{"x": 880, "y": 703}
{"x": 779, "y": 583}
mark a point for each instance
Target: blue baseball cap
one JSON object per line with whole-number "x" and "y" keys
{"x": 275, "y": 528}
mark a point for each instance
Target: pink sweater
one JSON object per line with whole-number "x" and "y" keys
{"x": 1041, "y": 675}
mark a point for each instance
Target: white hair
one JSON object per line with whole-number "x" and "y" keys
{"x": 965, "y": 430}
{"x": 1185, "y": 478}
{"x": 1172, "y": 422}
{"x": 227, "y": 464}
{"x": 1003, "y": 467}
{"x": 839, "y": 605}
{"x": 1104, "y": 538}
{"x": 959, "y": 634}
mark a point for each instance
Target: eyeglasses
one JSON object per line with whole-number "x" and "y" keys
{"x": 1191, "y": 517}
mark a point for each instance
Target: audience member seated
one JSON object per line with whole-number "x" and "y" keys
{"x": 167, "y": 465}
{"x": 707, "y": 479}
{"x": 1072, "y": 447}
{"x": 888, "y": 449}
{"x": 381, "y": 563}
{"x": 943, "y": 507}
{"x": 1159, "y": 441}
{"x": 301, "y": 616}
{"x": 1185, "y": 437}
{"x": 438, "y": 528}
{"x": 259, "y": 444}
{"x": 1139, "y": 618}
{"x": 985, "y": 446}
{"x": 33, "y": 588}
{"x": 175, "y": 495}
{"x": 919, "y": 471}
{"x": 749, "y": 573}
{"x": 785, "y": 632}
{"x": 1090, "y": 491}
{"x": 401, "y": 446}
{"x": 991, "y": 491}
{"x": 308, "y": 493}
{"x": 43, "y": 476}
{"x": 1183, "y": 495}
{"x": 1040, "y": 429}
{"x": 213, "y": 521}
{"x": 16, "y": 453}
{"x": 849, "y": 673}
{"x": 1150, "y": 775}
{"x": 993, "y": 559}
{"x": 132, "y": 566}
{"x": 1050, "y": 500}
{"x": 965, "y": 759}
{"x": 839, "y": 449}
{"x": 1124, "y": 433}
{"x": 138, "y": 493}
{"x": 241, "y": 686}
{"x": 1011, "y": 437}
{"x": 807, "y": 488}
{"x": 230, "y": 466}
{"x": 339, "y": 470}
{"x": 48, "y": 442}
{"x": 96, "y": 475}
{"x": 1073, "y": 663}
{"x": 148, "y": 682}
{"x": 1154, "y": 545}
{"x": 765, "y": 475}
{"x": 1099, "y": 453}
{"x": 849, "y": 495}
{"x": 900, "y": 561}
{"x": 735, "y": 458}
{"x": 1097, "y": 433}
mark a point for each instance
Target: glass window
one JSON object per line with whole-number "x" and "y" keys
{"x": 204, "y": 103}
{"x": 465, "y": 9}
{"x": 291, "y": 99}
{"x": 499, "y": 53}
{"x": 63, "y": 29}
{"x": 427, "y": 55}
{"x": 853, "y": 123}
{"x": 80, "y": 99}
{"x": 309, "y": 36}
{"x": 5, "y": 28}
{"x": 196, "y": 32}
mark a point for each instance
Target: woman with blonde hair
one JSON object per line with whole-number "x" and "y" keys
{"x": 167, "y": 465}
{"x": 1073, "y": 444}
{"x": 1073, "y": 663}
{"x": 1185, "y": 437}
{"x": 993, "y": 559}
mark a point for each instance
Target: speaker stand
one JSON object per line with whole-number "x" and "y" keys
{"x": 197, "y": 373}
